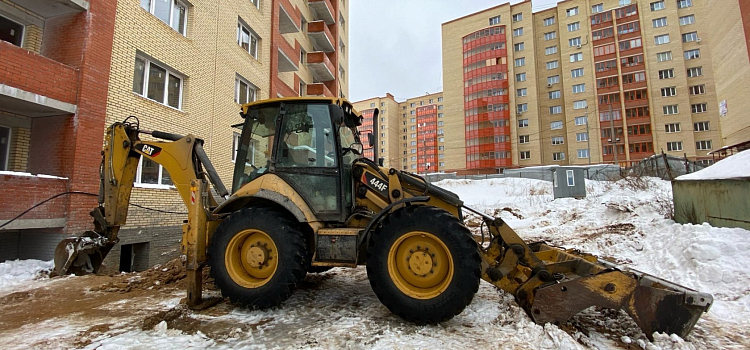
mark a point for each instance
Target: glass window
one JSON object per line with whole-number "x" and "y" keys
{"x": 688, "y": 37}
{"x": 579, "y": 88}
{"x": 556, "y": 125}
{"x": 580, "y": 104}
{"x": 517, "y": 17}
{"x": 597, "y": 8}
{"x": 550, "y": 50}
{"x": 550, "y": 35}
{"x": 574, "y": 42}
{"x": 552, "y": 65}
{"x": 681, "y": 4}
{"x": 661, "y": 39}
{"x": 572, "y": 27}
{"x": 519, "y": 62}
{"x": 575, "y": 73}
{"x": 525, "y": 155}
{"x": 247, "y": 39}
{"x": 558, "y": 140}
{"x": 664, "y": 56}
{"x": 518, "y": 47}
{"x": 657, "y": 5}
{"x": 692, "y": 54}
{"x": 581, "y": 120}
{"x": 518, "y": 31}
{"x": 521, "y": 92}
{"x": 554, "y": 94}
{"x": 569, "y": 174}
{"x": 686, "y": 20}
{"x": 307, "y": 137}
{"x": 494, "y": 20}
{"x": 548, "y": 21}
{"x": 666, "y": 74}
{"x": 157, "y": 83}
{"x": 11, "y": 31}
{"x": 672, "y": 128}
{"x": 553, "y": 79}
{"x": 152, "y": 173}
{"x": 572, "y": 11}
{"x": 244, "y": 91}
{"x": 576, "y": 57}
{"x": 660, "y": 22}
{"x": 583, "y": 153}
{"x": 582, "y": 136}
{"x": 171, "y": 12}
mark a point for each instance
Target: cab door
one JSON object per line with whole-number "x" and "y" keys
{"x": 306, "y": 156}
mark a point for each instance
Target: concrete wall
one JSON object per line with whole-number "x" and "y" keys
{"x": 721, "y": 203}
{"x": 29, "y": 244}
{"x": 163, "y": 245}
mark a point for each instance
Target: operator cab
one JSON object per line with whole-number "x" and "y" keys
{"x": 316, "y": 145}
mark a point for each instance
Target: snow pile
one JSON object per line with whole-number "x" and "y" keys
{"x": 736, "y": 166}
{"x": 17, "y": 272}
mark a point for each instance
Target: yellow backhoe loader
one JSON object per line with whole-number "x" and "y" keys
{"x": 304, "y": 199}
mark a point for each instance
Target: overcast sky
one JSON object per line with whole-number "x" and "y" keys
{"x": 395, "y": 46}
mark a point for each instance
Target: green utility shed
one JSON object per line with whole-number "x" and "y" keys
{"x": 719, "y": 194}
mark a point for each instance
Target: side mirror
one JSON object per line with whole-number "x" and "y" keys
{"x": 337, "y": 114}
{"x": 381, "y": 161}
{"x": 371, "y": 140}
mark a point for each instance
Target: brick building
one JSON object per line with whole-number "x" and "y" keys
{"x": 585, "y": 81}
{"x": 180, "y": 67}
{"x": 55, "y": 58}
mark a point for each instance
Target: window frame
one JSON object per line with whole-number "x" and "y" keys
{"x": 661, "y": 20}
{"x": 241, "y": 26}
{"x": 168, "y": 72}
{"x": 653, "y": 6}
{"x": 238, "y": 79}
{"x": 138, "y": 181}
{"x": 152, "y": 8}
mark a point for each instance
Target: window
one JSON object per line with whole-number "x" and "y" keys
{"x": 519, "y": 62}
{"x": 703, "y": 145}
{"x": 699, "y": 107}
{"x": 635, "y": 95}
{"x": 412, "y": 105}
{"x": 674, "y": 146}
{"x": 657, "y": 5}
{"x": 630, "y": 44}
{"x": 671, "y": 109}
{"x": 597, "y": 8}
{"x": 601, "y": 18}
{"x": 4, "y": 146}
{"x": 521, "y": 92}
{"x": 672, "y": 128}
{"x": 244, "y": 92}
{"x": 550, "y": 35}
{"x": 685, "y": 20}
{"x": 556, "y": 125}
{"x": 521, "y": 77}
{"x": 576, "y": 57}
{"x": 572, "y": 27}
{"x": 494, "y": 20}
{"x": 440, "y": 99}
{"x": 151, "y": 173}
{"x": 624, "y": 2}
{"x": 524, "y": 155}
{"x": 518, "y": 47}
{"x": 554, "y": 94}
{"x": 575, "y": 42}
{"x": 553, "y": 79}
{"x": 576, "y": 73}
{"x": 523, "y": 139}
{"x": 604, "y": 50}
{"x": 572, "y": 11}
{"x": 548, "y": 21}
{"x": 523, "y": 107}
{"x": 11, "y": 32}
{"x": 247, "y": 39}
{"x": 581, "y": 104}
{"x": 171, "y": 12}
{"x": 697, "y": 89}
{"x": 666, "y": 74}
{"x": 660, "y": 22}
{"x": 558, "y": 156}
{"x": 605, "y": 66}
{"x": 627, "y": 28}
{"x": 579, "y": 88}
{"x": 692, "y": 54}
{"x": 552, "y": 65}
{"x": 661, "y": 39}
{"x": 517, "y": 17}
{"x": 555, "y": 110}
{"x": 637, "y": 112}
{"x": 668, "y": 91}
{"x": 518, "y": 31}
{"x": 664, "y": 56}
{"x": 256, "y": 3}
{"x": 701, "y": 126}
{"x": 583, "y": 153}
{"x": 681, "y": 4}
{"x": 558, "y": 140}
{"x": 688, "y": 37}
{"x": 581, "y": 120}
{"x": 694, "y": 72}
{"x": 157, "y": 83}
{"x": 632, "y": 60}
{"x": 550, "y": 50}
{"x": 523, "y": 123}
{"x": 582, "y": 136}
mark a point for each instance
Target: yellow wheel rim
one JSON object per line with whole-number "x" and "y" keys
{"x": 251, "y": 258}
{"x": 420, "y": 265}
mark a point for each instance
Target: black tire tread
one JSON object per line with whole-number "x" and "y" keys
{"x": 285, "y": 280}
{"x": 467, "y": 265}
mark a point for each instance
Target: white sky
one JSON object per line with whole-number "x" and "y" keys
{"x": 400, "y": 51}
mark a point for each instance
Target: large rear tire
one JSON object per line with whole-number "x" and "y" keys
{"x": 258, "y": 256}
{"x": 423, "y": 264}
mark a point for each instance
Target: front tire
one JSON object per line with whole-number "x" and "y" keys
{"x": 423, "y": 264}
{"x": 258, "y": 256}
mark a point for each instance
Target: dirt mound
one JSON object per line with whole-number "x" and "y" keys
{"x": 156, "y": 277}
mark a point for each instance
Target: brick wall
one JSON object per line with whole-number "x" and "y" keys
{"x": 19, "y": 149}
{"x": 28, "y": 71}
{"x": 50, "y": 147}
{"x": 30, "y": 190}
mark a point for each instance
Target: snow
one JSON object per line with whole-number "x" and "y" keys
{"x": 16, "y": 173}
{"x": 736, "y": 166}
{"x": 19, "y": 272}
{"x": 626, "y": 222}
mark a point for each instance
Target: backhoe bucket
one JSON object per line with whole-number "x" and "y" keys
{"x": 554, "y": 284}
{"x": 81, "y": 255}
{"x": 654, "y": 304}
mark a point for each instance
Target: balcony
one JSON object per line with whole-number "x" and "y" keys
{"x": 283, "y": 90}
{"x": 288, "y": 56}
{"x": 318, "y": 89}
{"x": 320, "y": 66}
{"x": 321, "y": 36}
{"x": 289, "y": 18}
{"x": 53, "y": 8}
{"x": 323, "y": 10}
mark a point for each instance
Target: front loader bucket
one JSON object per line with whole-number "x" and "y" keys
{"x": 554, "y": 284}
{"x": 81, "y": 255}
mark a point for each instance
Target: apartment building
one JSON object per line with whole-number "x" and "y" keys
{"x": 383, "y": 131}
{"x": 729, "y": 40}
{"x": 54, "y": 68}
{"x": 308, "y": 52}
{"x": 587, "y": 81}
{"x": 422, "y": 138}
{"x": 180, "y": 67}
